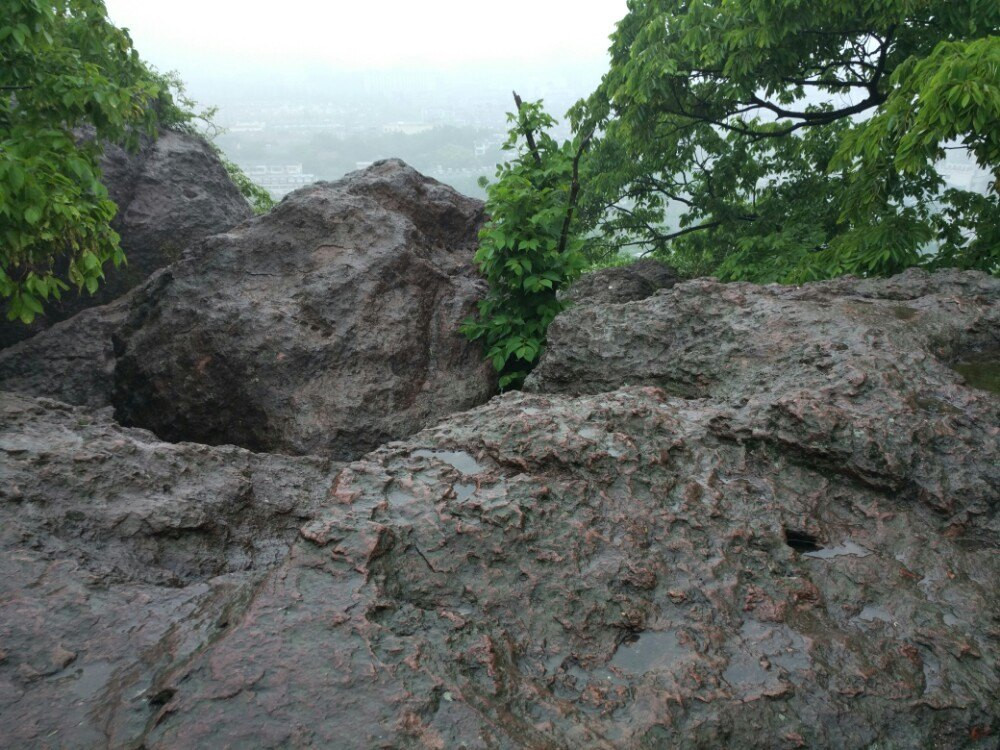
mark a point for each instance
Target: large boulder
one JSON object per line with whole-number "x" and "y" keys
{"x": 623, "y": 570}
{"x": 328, "y": 326}
{"x": 120, "y": 557}
{"x": 170, "y": 193}
{"x": 706, "y": 339}
{"x": 804, "y": 555}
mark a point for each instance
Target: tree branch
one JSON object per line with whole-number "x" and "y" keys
{"x": 863, "y": 58}
{"x": 574, "y": 193}
{"x": 649, "y": 228}
{"x": 673, "y": 235}
{"x": 822, "y": 118}
{"x": 834, "y": 83}
{"x": 528, "y": 135}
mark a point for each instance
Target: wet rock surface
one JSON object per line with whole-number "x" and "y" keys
{"x": 782, "y": 533}
{"x": 120, "y": 557}
{"x": 623, "y": 284}
{"x": 705, "y": 339}
{"x": 171, "y": 193}
{"x": 73, "y": 361}
{"x": 613, "y": 571}
{"x": 328, "y": 326}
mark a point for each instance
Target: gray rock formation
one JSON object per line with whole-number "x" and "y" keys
{"x": 328, "y": 326}
{"x": 797, "y": 549}
{"x": 623, "y": 284}
{"x": 705, "y": 339}
{"x": 170, "y": 194}
{"x": 120, "y": 557}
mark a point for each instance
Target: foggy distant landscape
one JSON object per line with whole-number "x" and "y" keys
{"x": 292, "y": 129}
{"x": 450, "y": 126}
{"x": 315, "y": 91}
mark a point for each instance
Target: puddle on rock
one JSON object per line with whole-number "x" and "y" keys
{"x": 759, "y": 649}
{"x": 92, "y": 679}
{"x": 652, "y": 651}
{"x": 902, "y": 312}
{"x": 933, "y": 681}
{"x": 873, "y": 612}
{"x": 981, "y": 371}
{"x": 459, "y": 459}
{"x": 398, "y": 497}
{"x": 847, "y": 548}
{"x": 463, "y": 491}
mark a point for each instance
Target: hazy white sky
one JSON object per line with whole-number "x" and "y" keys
{"x": 367, "y": 34}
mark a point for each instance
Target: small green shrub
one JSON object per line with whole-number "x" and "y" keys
{"x": 527, "y": 250}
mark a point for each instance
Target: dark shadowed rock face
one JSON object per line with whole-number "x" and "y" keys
{"x": 803, "y": 558}
{"x": 73, "y": 361}
{"x": 328, "y": 326}
{"x": 120, "y": 557}
{"x": 170, "y": 194}
{"x": 624, "y": 284}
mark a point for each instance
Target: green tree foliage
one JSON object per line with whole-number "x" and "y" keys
{"x": 527, "y": 249}
{"x": 69, "y": 82}
{"x": 786, "y": 140}
{"x": 63, "y": 66}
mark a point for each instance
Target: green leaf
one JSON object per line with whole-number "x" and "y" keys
{"x": 32, "y": 214}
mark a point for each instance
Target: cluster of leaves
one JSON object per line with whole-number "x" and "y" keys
{"x": 527, "y": 249}
{"x": 787, "y": 140}
{"x": 69, "y": 82}
{"x": 63, "y": 66}
{"x": 259, "y": 199}
{"x": 949, "y": 99}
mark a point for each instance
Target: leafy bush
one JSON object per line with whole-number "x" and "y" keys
{"x": 64, "y": 67}
{"x": 259, "y": 199}
{"x": 528, "y": 250}
{"x": 67, "y": 70}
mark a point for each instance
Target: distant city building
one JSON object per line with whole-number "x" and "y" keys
{"x": 964, "y": 174}
{"x": 407, "y": 128}
{"x": 279, "y": 180}
{"x": 247, "y": 127}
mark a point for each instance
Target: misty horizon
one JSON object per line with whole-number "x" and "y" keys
{"x": 314, "y": 91}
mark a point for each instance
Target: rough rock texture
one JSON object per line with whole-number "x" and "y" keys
{"x": 170, "y": 193}
{"x": 638, "y": 569}
{"x": 328, "y": 326}
{"x": 623, "y": 284}
{"x": 806, "y": 556}
{"x": 705, "y": 339}
{"x": 73, "y": 361}
{"x": 120, "y": 557}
